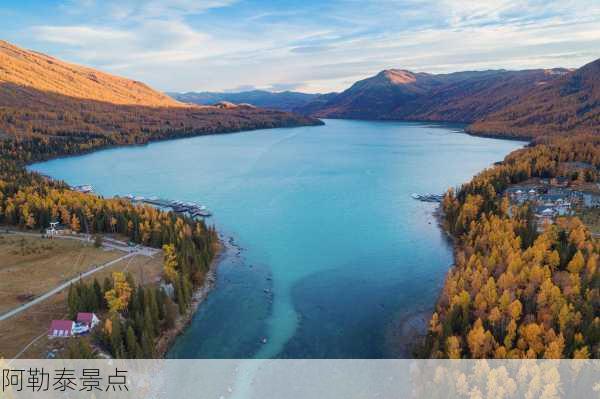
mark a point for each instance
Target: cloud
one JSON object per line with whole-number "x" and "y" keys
{"x": 151, "y": 41}
{"x": 240, "y": 88}
{"x": 144, "y": 9}
{"x": 320, "y": 46}
{"x": 285, "y": 86}
{"x": 79, "y": 35}
{"x": 310, "y": 49}
{"x": 184, "y": 6}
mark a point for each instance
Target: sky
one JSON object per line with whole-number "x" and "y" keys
{"x": 308, "y": 45}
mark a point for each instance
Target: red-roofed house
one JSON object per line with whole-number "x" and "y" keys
{"x": 61, "y": 328}
{"x": 88, "y": 319}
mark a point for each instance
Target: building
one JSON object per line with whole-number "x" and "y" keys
{"x": 559, "y": 181}
{"x": 591, "y": 200}
{"x": 61, "y": 328}
{"x": 516, "y": 195}
{"x": 54, "y": 229}
{"x": 69, "y": 328}
{"x": 168, "y": 289}
{"x": 90, "y": 320}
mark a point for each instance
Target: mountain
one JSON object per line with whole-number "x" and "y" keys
{"x": 570, "y": 103}
{"x": 285, "y": 101}
{"x": 377, "y": 96}
{"x": 459, "y": 96}
{"x": 28, "y": 73}
{"x": 523, "y": 103}
{"x": 315, "y": 105}
{"x": 469, "y": 96}
{"x": 43, "y": 96}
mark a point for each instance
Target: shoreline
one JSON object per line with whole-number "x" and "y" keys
{"x": 153, "y": 140}
{"x": 415, "y": 325}
{"x": 465, "y": 126}
{"x": 167, "y": 339}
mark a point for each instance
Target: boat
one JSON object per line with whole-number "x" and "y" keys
{"x": 84, "y": 188}
{"x": 428, "y": 197}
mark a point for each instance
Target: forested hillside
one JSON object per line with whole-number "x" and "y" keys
{"x": 41, "y": 96}
{"x": 520, "y": 104}
{"x": 49, "y": 108}
{"x": 569, "y": 104}
{"x": 515, "y": 292}
{"x": 22, "y": 70}
{"x": 458, "y": 97}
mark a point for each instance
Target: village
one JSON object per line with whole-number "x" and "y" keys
{"x": 575, "y": 195}
{"x": 560, "y": 196}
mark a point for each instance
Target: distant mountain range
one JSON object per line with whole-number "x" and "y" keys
{"x": 284, "y": 101}
{"x": 520, "y": 104}
{"x": 497, "y": 102}
{"x": 43, "y": 96}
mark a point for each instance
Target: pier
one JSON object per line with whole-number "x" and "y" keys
{"x": 428, "y": 197}
{"x": 84, "y": 188}
{"x": 192, "y": 209}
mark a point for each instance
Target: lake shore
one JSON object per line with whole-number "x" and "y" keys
{"x": 167, "y": 338}
{"x": 305, "y": 251}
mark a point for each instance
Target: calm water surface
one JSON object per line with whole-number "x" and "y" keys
{"x": 332, "y": 258}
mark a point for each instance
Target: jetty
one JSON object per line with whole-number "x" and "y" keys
{"x": 428, "y": 197}
{"x": 83, "y": 188}
{"x": 191, "y": 209}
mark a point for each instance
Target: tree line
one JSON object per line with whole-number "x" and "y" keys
{"x": 31, "y": 201}
{"x": 515, "y": 292}
{"x": 134, "y": 316}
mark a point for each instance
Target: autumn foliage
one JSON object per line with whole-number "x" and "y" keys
{"x": 69, "y": 105}
{"x": 514, "y": 292}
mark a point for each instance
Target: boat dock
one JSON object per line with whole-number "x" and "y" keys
{"x": 190, "y": 208}
{"x": 83, "y": 188}
{"x": 428, "y": 197}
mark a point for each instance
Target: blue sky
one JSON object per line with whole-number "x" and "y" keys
{"x": 313, "y": 46}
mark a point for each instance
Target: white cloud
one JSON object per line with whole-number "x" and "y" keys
{"x": 169, "y": 45}
{"x": 142, "y": 9}
{"x": 79, "y": 35}
{"x": 163, "y": 41}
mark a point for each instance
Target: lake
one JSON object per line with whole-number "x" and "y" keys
{"x": 330, "y": 257}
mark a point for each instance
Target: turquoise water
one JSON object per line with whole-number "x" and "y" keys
{"x": 331, "y": 257}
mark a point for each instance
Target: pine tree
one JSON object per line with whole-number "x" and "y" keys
{"x": 171, "y": 264}
{"x": 116, "y": 338}
{"x": 131, "y": 342}
{"x": 99, "y": 295}
{"x": 171, "y": 313}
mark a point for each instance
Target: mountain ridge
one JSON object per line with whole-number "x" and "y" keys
{"x": 28, "y": 68}
{"x": 43, "y": 96}
{"x": 570, "y": 103}
{"x": 487, "y": 100}
{"x": 284, "y": 101}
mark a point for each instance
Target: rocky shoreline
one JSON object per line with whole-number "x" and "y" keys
{"x": 167, "y": 338}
